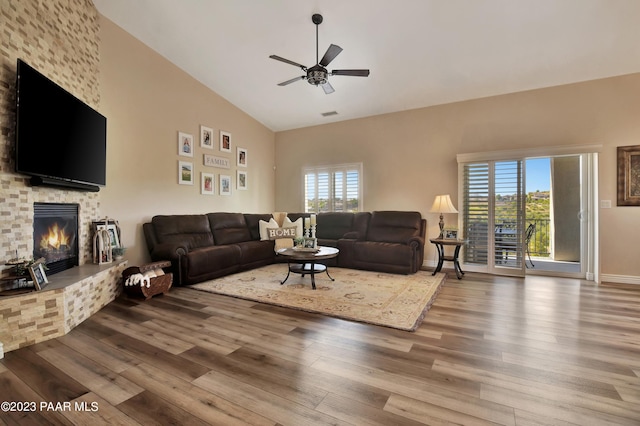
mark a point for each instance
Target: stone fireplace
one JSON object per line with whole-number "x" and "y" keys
{"x": 55, "y": 235}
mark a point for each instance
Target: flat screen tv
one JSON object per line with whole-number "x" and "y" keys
{"x": 60, "y": 140}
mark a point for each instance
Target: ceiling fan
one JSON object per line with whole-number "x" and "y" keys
{"x": 318, "y": 74}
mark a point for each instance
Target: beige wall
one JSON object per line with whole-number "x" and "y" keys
{"x": 409, "y": 157}
{"x": 147, "y": 100}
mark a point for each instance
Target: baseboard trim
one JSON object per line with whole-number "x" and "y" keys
{"x": 604, "y": 278}
{"x": 619, "y": 279}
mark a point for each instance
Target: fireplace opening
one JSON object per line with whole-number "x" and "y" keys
{"x": 55, "y": 235}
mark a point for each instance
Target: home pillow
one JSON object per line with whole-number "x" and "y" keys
{"x": 278, "y": 233}
{"x": 297, "y": 223}
{"x": 264, "y": 226}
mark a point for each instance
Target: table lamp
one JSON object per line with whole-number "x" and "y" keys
{"x": 442, "y": 204}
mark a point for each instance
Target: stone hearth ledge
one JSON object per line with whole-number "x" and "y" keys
{"x": 71, "y": 297}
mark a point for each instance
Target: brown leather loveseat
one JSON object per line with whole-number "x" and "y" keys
{"x": 207, "y": 246}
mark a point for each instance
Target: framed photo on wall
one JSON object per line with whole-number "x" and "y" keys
{"x": 225, "y": 141}
{"x": 185, "y": 144}
{"x": 225, "y": 185}
{"x": 241, "y": 180}
{"x": 242, "y": 157}
{"x": 185, "y": 173}
{"x": 206, "y": 137}
{"x": 207, "y": 186}
{"x": 628, "y": 175}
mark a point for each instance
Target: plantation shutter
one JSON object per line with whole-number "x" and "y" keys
{"x": 476, "y": 212}
{"x": 333, "y": 188}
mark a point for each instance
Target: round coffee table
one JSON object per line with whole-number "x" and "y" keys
{"x": 305, "y": 262}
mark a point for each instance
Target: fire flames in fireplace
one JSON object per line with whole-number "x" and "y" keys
{"x": 55, "y": 239}
{"x": 55, "y": 243}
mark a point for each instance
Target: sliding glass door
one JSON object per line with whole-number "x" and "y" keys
{"x": 493, "y": 216}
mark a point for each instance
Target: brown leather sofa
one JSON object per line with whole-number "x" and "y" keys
{"x": 206, "y": 246}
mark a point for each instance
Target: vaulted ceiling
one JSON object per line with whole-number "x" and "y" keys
{"x": 420, "y": 52}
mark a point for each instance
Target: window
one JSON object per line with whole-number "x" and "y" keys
{"x": 335, "y": 188}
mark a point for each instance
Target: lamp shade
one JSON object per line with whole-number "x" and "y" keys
{"x": 443, "y": 204}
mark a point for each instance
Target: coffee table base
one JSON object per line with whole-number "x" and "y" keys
{"x": 307, "y": 268}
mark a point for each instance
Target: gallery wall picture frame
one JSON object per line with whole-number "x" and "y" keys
{"x": 242, "y": 157}
{"x": 225, "y": 141}
{"x": 241, "y": 180}
{"x": 628, "y": 175}
{"x": 185, "y": 144}
{"x": 207, "y": 185}
{"x": 206, "y": 137}
{"x": 185, "y": 173}
{"x": 225, "y": 185}
{"x": 38, "y": 275}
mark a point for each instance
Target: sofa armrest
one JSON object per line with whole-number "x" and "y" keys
{"x": 416, "y": 242}
{"x": 168, "y": 251}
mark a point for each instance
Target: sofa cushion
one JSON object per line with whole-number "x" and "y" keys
{"x": 253, "y": 220}
{"x": 228, "y": 228}
{"x": 191, "y": 230}
{"x": 394, "y": 226}
{"x": 333, "y": 226}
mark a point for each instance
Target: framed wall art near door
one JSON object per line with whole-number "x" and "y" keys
{"x": 629, "y": 175}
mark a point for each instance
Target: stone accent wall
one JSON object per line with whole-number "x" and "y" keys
{"x": 60, "y": 38}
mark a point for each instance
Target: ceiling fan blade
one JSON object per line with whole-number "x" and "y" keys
{"x": 354, "y": 73}
{"x": 293, "y": 80}
{"x": 328, "y": 88}
{"x": 286, "y": 61}
{"x": 330, "y": 54}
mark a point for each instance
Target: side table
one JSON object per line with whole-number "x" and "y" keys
{"x": 440, "y": 243}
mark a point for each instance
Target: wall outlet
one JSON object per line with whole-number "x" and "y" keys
{"x": 605, "y": 204}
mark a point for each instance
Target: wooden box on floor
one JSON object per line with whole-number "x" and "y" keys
{"x": 157, "y": 285}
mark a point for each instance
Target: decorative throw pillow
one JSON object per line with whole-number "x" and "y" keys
{"x": 297, "y": 223}
{"x": 278, "y": 233}
{"x": 264, "y": 226}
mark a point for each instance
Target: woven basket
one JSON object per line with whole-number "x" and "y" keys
{"x": 157, "y": 285}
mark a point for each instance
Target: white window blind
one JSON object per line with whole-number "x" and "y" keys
{"x": 336, "y": 188}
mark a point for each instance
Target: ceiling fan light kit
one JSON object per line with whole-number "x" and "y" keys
{"x": 318, "y": 75}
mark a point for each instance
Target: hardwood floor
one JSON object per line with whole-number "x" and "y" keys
{"x": 492, "y": 350}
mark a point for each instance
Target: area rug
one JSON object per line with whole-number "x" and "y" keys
{"x": 390, "y": 300}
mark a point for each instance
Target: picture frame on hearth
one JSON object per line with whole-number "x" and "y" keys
{"x": 185, "y": 144}
{"x": 113, "y": 229}
{"x": 38, "y": 275}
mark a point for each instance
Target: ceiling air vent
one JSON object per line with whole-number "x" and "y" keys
{"x": 329, "y": 114}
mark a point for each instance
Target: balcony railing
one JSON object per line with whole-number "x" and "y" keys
{"x": 539, "y": 243}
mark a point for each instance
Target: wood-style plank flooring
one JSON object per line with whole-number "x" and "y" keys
{"x": 492, "y": 350}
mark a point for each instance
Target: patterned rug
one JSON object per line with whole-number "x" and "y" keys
{"x": 396, "y": 301}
